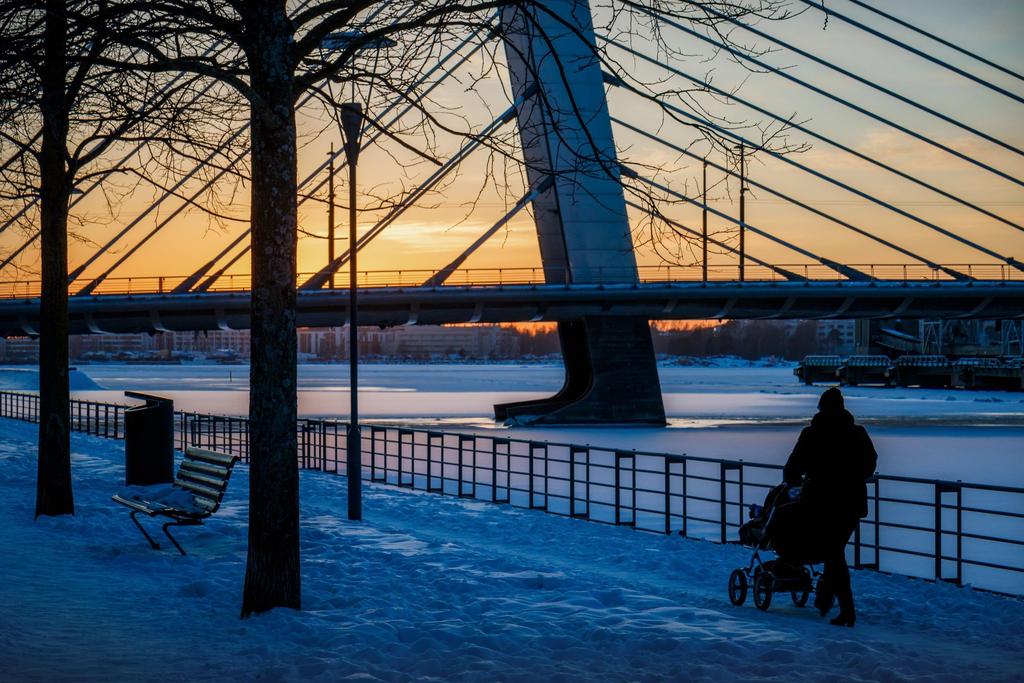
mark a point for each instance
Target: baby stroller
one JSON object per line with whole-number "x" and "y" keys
{"x": 784, "y": 527}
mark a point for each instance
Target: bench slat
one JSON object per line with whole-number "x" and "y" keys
{"x": 202, "y": 479}
{"x": 210, "y": 456}
{"x": 199, "y": 490}
{"x": 217, "y": 471}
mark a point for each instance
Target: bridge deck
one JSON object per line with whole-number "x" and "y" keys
{"x": 539, "y": 302}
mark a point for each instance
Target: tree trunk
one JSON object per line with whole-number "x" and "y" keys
{"x": 272, "y": 577}
{"x": 53, "y": 485}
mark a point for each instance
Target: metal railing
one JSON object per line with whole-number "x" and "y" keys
{"x": 952, "y": 531}
{"x": 88, "y": 417}
{"x": 495, "y": 277}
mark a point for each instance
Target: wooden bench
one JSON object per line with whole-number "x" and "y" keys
{"x": 195, "y": 494}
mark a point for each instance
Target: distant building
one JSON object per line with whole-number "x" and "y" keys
{"x": 414, "y": 342}
{"x": 836, "y": 336}
{"x": 21, "y": 350}
{"x": 80, "y": 345}
{"x": 465, "y": 341}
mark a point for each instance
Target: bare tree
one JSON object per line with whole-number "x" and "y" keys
{"x": 275, "y": 55}
{"x": 62, "y": 114}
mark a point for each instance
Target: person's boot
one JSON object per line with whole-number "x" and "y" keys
{"x": 823, "y": 597}
{"x": 847, "y": 615}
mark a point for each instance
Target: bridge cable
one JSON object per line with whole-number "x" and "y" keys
{"x": 860, "y": 193}
{"x": 21, "y": 151}
{"x": 824, "y": 93}
{"x": 880, "y": 240}
{"x": 135, "y": 150}
{"x": 209, "y": 282}
{"x": 320, "y": 278}
{"x": 848, "y": 271}
{"x": 939, "y": 39}
{"x": 162, "y": 93}
{"x": 439, "y": 278}
{"x": 13, "y": 255}
{"x": 189, "y": 202}
{"x": 190, "y": 281}
{"x": 172, "y": 192}
{"x": 909, "y": 48}
{"x": 820, "y": 136}
{"x": 849, "y": 74}
{"x": 789, "y": 275}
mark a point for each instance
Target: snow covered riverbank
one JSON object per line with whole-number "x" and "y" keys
{"x": 431, "y": 588}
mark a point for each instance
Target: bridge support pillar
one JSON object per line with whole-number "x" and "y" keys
{"x": 582, "y": 225}
{"x": 610, "y": 377}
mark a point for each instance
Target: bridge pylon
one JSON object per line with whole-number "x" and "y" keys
{"x": 611, "y": 375}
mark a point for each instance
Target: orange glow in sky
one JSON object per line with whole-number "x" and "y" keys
{"x": 430, "y": 235}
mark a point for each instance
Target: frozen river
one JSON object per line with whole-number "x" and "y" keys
{"x": 750, "y": 413}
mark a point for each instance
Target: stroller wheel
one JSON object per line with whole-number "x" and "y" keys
{"x": 737, "y": 587}
{"x": 764, "y": 583}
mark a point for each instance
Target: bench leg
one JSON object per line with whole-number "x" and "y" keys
{"x": 168, "y": 534}
{"x": 154, "y": 544}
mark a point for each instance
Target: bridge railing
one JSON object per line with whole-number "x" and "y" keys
{"x": 491, "y": 277}
{"x": 954, "y": 531}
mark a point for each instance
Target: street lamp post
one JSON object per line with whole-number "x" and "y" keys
{"x": 352, "y": 125}
{"x": 743, "y": 209}
{"x": 352, "y": 128}
{"x": 330, "y": 211}
{"x": 704, "y": 224}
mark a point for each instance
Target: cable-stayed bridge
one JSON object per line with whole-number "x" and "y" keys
{"x": 587, "y": 193}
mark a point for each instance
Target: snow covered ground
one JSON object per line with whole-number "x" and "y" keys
{"x": 432, "y": 588}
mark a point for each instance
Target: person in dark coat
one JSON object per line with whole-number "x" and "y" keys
{"x": 831, "y": 460}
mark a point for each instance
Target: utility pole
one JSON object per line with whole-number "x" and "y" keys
{"x": 743, "y": 207}
{"x": 704, "y": 224}
{"x": 330, "y": 211}
{"x": 352, "y": 126}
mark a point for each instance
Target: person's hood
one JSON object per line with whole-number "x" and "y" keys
{"x": 833, "y": 418}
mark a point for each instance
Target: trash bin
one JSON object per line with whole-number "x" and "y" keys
{"x": 149, "y": 441}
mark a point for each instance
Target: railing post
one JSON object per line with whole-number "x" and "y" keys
{"x": 878, "y": 522}
{"x": 619, "y": 457}
{"x": 940, "y": 488}
{"x": 430, "y": 462}
{"x": 494, "y": 470}
{"x": 668, "y": 498}
{"x": 373, "y": 456}
{"x": 573, "y": 452}
{"x": 669, "y": 461}
{"x": 725, "y": 467}
{"x": 530, "y": 470}
{"x": 462, "y": 441}
{"x": 938, "y": 532}
{"x": 618, "y": 469}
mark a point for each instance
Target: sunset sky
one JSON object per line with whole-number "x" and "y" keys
{"x": 429, "y": 236}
